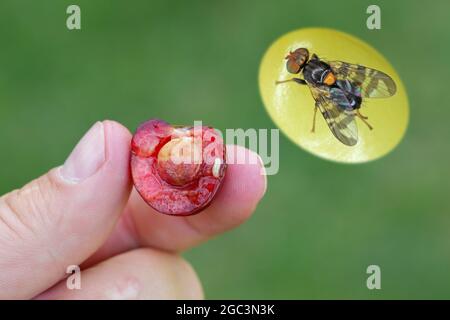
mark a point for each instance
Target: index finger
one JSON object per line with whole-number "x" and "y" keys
{"x": 242, "y": 189}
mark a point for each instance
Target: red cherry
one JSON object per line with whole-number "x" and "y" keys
{"x": 177, "y": 170}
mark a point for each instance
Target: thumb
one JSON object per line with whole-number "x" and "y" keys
{"x": 64, "y": 216}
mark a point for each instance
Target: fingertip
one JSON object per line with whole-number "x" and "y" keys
{"x": 243, "y": 187}
{"x": 118, "y": 139}
{"x": 118, "y": 127}
{"x": 246, "y": 176}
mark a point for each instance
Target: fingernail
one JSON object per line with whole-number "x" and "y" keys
{"x": 87, "y": 157}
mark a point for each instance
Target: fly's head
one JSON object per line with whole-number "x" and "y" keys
{"x": 296, "y": 60}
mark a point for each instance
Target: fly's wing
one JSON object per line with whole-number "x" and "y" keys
{"x": 373, "y": 83}
{"x": 341, "y": 121}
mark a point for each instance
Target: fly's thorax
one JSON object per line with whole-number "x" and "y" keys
{"x": 318, "y": 72}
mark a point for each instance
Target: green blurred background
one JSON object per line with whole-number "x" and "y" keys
{"x": 320, "y": 224}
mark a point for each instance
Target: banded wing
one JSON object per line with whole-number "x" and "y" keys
{"x": 341, "y": 121}
{"x": 373, "y": 83}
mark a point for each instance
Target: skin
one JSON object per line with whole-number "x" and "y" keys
{"x": 124, "y": 248}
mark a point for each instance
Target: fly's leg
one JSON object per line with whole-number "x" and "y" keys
{"x": 314, "y": 119}
{"x": 361, "y": 116}
{"x": 363, "y": 119}
{"x": 298, "y": 80}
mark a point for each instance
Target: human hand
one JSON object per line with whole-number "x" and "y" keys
{"x": 86, "y": 213}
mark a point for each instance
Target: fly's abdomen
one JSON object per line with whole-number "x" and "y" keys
{"x": 345, "y": 100}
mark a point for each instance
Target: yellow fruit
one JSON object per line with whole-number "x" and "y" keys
{"x": 291, "y": 105}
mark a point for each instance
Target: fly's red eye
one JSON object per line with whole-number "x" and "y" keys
{"x": 292, "y": 66}
{"x": 302, "y": 53}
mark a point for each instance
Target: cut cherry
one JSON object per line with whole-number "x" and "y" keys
{"x": 177, "y": 170}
